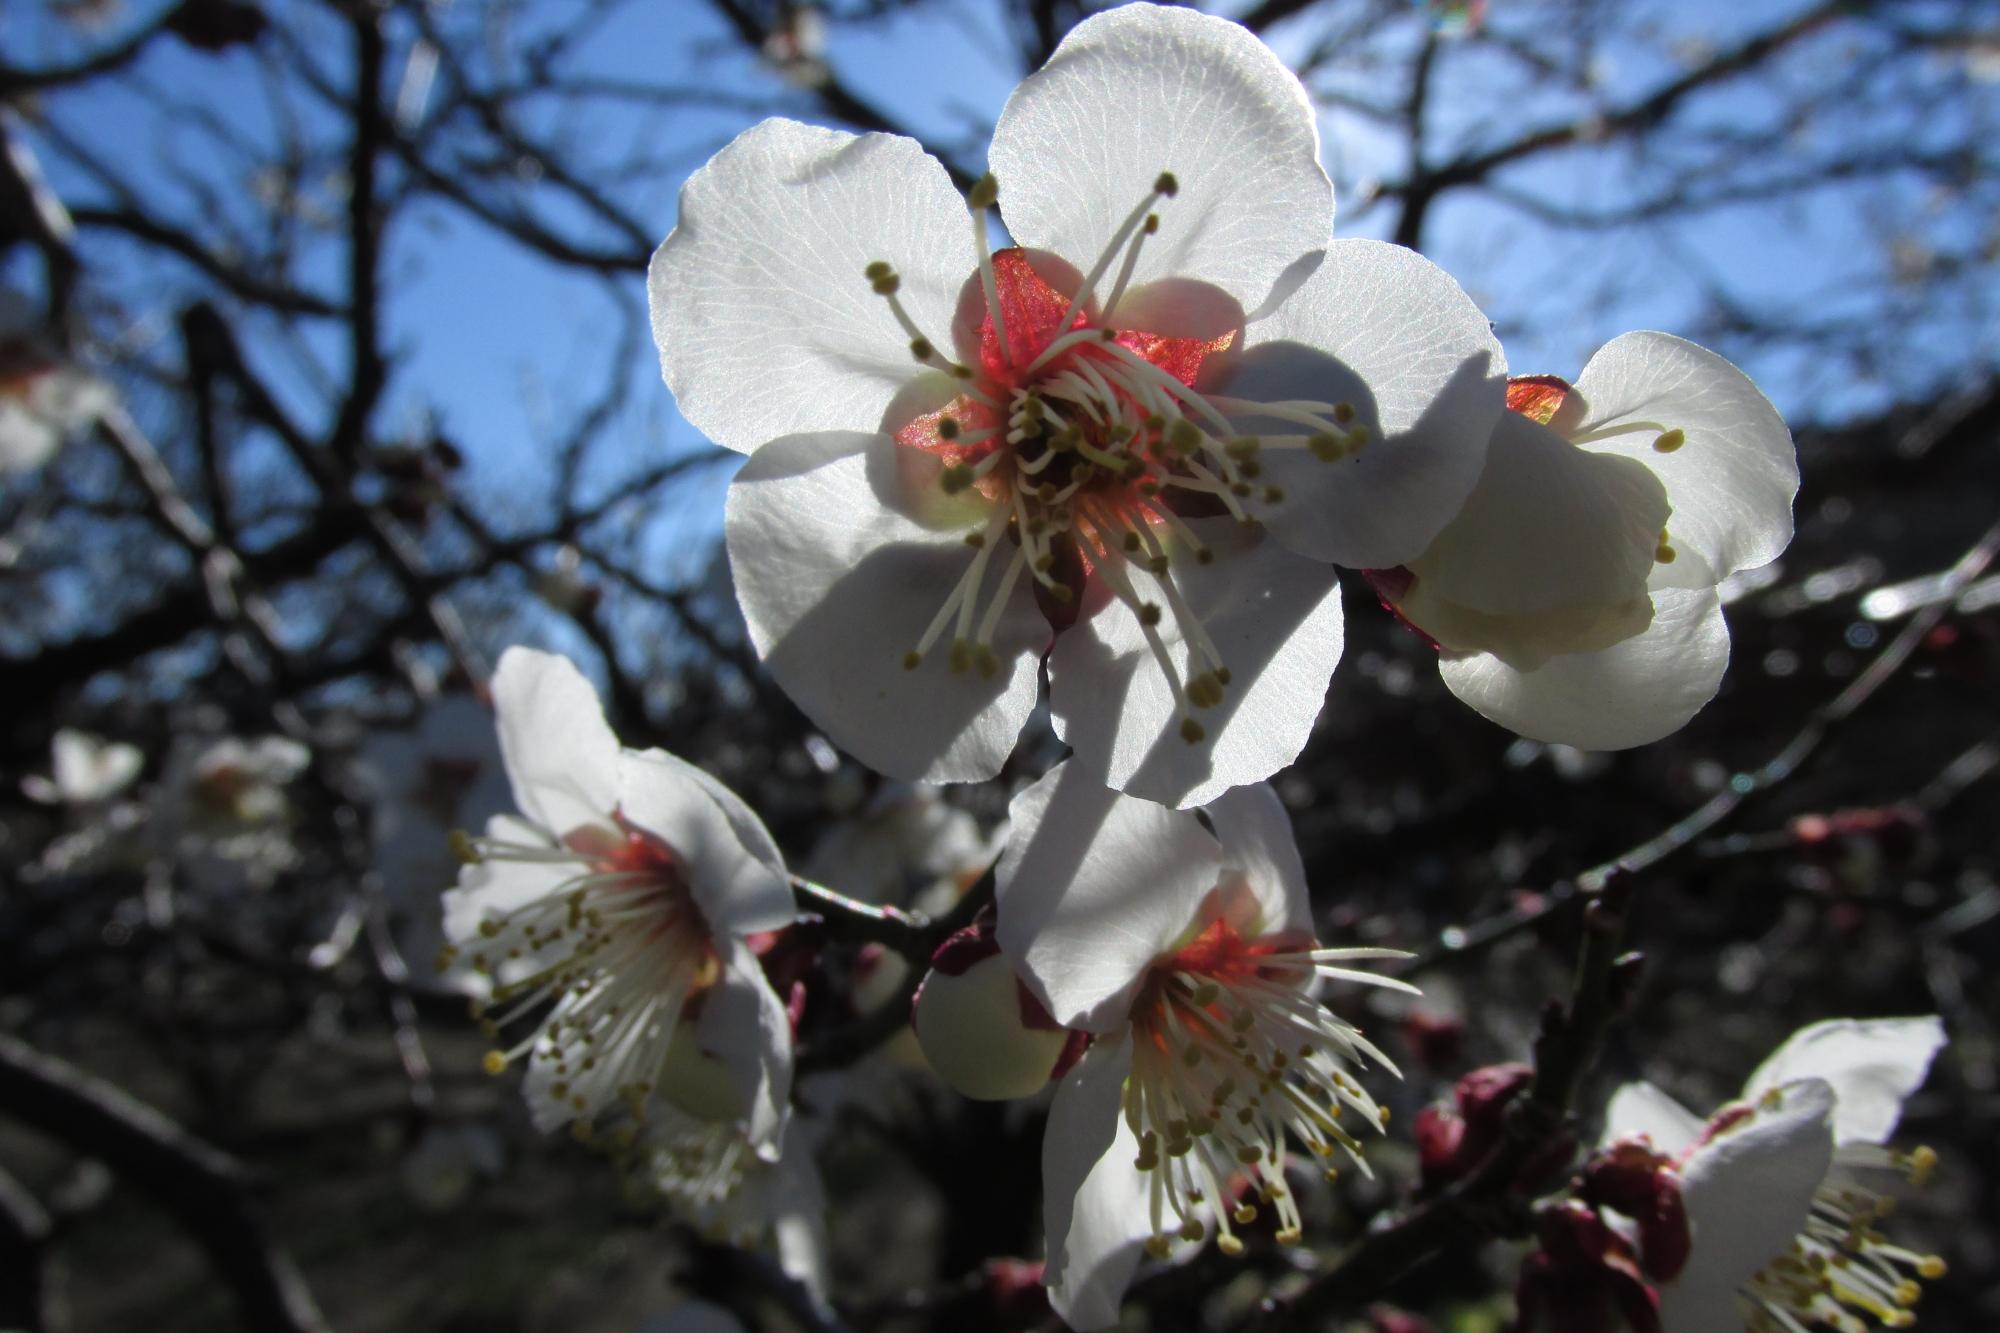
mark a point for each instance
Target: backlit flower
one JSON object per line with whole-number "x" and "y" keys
{"x": 1189, "y": 955}
{"x": 1574, "y": 598}
{"x": 613, "y": 913}
{"x": 1119, "y": 437}
{"x": 1782, "y": 1216}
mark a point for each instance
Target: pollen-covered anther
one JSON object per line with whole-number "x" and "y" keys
{"x": 921, "y": 349}
{"x": 985, "y": 192}
{"x": 1664, "y": 551}
{"x": 1192, "y": 731}
{"x": 1205, "y": 690}
{"x": 463, "y": 848}
{"x": 882, "y": 278}
{"x": 1166, "y": 184}
{"x": 1668, "y": 441}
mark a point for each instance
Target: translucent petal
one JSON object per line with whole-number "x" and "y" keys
{"x": 1731, "y": 481}
{"x": 1631, "y": 693}
{"x": 1275, "y": 618}
{"x": 1388, "y": 332}
{"x": 838, "y": 579}
{"x": 765, "y": 322}
{"x": 1095, "y": 886}
{"x": 1872, "y": 1065}
{"x": 1144, "y": 89}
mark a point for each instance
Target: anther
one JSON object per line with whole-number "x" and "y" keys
{"x": 1152, "y": 224}
{"x": 1229, "y": 1245}
{"x": 463, "y": 848}
{"x": 1669, "y": 441}
{"x": 912, "y": 660}
{"x": 1183, "y": 436}
{"x": 955, "y": 478}
{"x": 1274, "y": 495}
{"x": 494, "y": 1062}
{"x": 1192, "y": 731}
{"x": 1166, "y": 184}
{"x": 961, "y": 656}
{"x": 947, "y": 428}
{"x": 878, "y": 270}
{"x": 1149, "y": 614}
{"x": 985, "y": 192}
{"x": 1204, "y": 691}
{"x": 921, "y": 349}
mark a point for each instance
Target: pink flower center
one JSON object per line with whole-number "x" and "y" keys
{"x": 1230, "y": 1056}
{"x": 1090, "y": 448}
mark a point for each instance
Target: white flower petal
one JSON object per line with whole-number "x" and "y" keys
{"x": 734, "y": 869}
{"x": 765, "y": 323}
{"x": 495, "y": 888}
{"x": 561, "y": 757}
{"x": 1641, "y": 1108}
{"x": 1144, "y": 89}
{"x": 1093, "y": 1203}
{"x": 1384, "y": 329}
{"x": 1731, "y": 484}
{"x": 1092, "y": 888}
{"x": 1631, "y": 693}
{"x": 838, "y": 579}
{"x": 744, "y": 1024}
{"x": 1549, "y": 526}
{"x": 1872, "y": 1065}
{"x": 1257, "y": 840}
{"x": 1275, "y": 617}
{"x": 1748, "y": 1192}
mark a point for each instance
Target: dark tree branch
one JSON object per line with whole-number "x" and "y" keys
{"x": 206, "y": 1190}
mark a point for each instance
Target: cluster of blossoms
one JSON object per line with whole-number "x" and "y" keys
{"x": 1124, "y": 455}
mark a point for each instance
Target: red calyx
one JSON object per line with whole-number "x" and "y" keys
{"x": 1582, "y": 1279}
{"x": 1630, "y": 1178}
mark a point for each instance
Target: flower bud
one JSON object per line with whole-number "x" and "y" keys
{"x": 980, "y": 1029}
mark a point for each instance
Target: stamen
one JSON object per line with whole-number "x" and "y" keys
{"x": 1111, "y": 249}
{"x": 985, "y": 193}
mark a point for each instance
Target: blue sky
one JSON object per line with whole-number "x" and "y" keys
{"x": 502, "y": 349}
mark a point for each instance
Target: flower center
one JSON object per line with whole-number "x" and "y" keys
{"x": 619, "y": 948}
{"x": 1091, "y": 448}
{"x": 1230, "y": 1053}
{"x": 1841, "y": 1263}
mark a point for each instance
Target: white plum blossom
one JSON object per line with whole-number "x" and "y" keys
{"x": 1782, "y": 1222}
{"x": 84, "y": 770}
{"x": 44, "y": 397}
{"x": 1574, "y": 600}
{"x": 1125, "y": 445}
{"x": 1189, "y": 956}
{"x": 614, "y": 911}
{"x": 234, "y": 781}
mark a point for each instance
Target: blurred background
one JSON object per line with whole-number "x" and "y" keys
{"x": 325, "y": 374}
